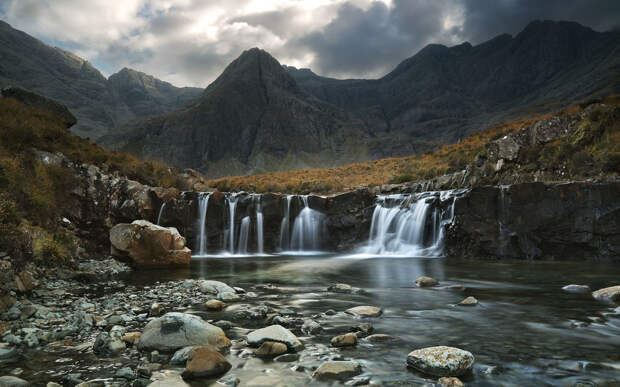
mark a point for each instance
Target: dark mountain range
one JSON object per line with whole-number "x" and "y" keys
{"x": 441, "y": 94}
{"x": 252, "y": 118}
{"x": 98, "y": 103}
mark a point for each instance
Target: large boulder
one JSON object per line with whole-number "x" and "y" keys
{"x": 149, "y": 245}
{"x": 177, "y": 330}
{"x": 441, "y": 361}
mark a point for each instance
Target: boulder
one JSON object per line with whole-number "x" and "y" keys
{"x": 608, "y": 294}
{"x": 177, "y": 330}
{"x": 337, "y": 370}
{"x": 441, "y": 361}
{"x": 425, "y": 282}
{"x": 149, "y": 245}
{"x": 12, "y": 381}
{"x": 205, "y": 362}
{"x": 364, "y": 311}
{"x": 271, "y": 349}
{"x": 213, "y": 287}
{"x": 274, "y": 333}
{"x": 346, "y": 340}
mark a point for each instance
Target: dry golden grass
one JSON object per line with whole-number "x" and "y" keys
{"x": 448, "y": 158}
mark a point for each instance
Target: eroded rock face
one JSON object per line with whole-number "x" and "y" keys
{"x": 441, "y": 361}
{"x": 177, "y": 330}
{"x": 149, "y": 245}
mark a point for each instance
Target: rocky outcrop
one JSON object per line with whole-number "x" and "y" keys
{"x": 564, "y": 221}
{"x": 149, "y": 245}
{"x": 41, "y": 103}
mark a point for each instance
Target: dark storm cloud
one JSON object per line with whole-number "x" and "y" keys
{"x": 484, "y": 19}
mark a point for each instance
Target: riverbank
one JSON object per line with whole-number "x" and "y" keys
{"x": 524, "y": 330}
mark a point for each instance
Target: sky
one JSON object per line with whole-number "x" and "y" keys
{"x": 190, "y": 42}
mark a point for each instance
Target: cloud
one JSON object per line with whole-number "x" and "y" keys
{"x": 189, "y": 42}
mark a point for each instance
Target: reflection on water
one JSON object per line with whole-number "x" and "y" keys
{"x": 525, "y": 331}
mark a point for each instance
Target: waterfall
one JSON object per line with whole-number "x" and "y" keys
{"x": 259, "y": 225}
{"x": 285, "y": 225}
{"x": 203, "y": 203}
{"x": 161, "y": 211}
{"x": 405, "y": 225}
{"x": 307, "y": 229}
{"x": 232, "y": 204}
{"x": 244, "y": 232}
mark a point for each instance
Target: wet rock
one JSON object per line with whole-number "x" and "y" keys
{"x": 271, "y": 349}
{"x": 469, "y": 301}
{"x": 379, "y": 338}
{"x": 125, "y": 373}
{"x": 214, "y": 305}
{"x": 157, "y": 357}
{"x": 610, "y": 294}
{"x": 214, "y": 287}
{"x": 578, "y": 289}
{"x": 425, "y": 282}
{"x": 176, "y": 330}
{"x": 337, "y": 370}
{"x": 343, "y": 288}
{"x": 362, "y": 330}
{"x": 225, "y": 325}
{"x": 12, "y": 381}
{"x": 441, "y": 361}
{"x": 287, "y": 358}
{"x": 274, "y": 333}
{"x": 205, "y": 362}
{"x": 364, "y": 311}
{"x": 311, "y": 327}
{"x": 132, "y": 337}
{"x": 248, "y": 312}
{"x": 228, "y": 297}
{"x": 147, "y": 369}
{"x": 358, "y": 381}
{"x": 106, "y": 344}
{"x": 450, "y": 382}
{"x": 229, "y": 381}
{"x": 264, "y": 381}
{"x": 7, "y": 352}
{"x": 346, "y": 340}
{"x": 156, "y": 310}
{"x": 180, "y": 356}
{"x": 149, "y": 245}
{"x": 168, "y": 379}
{"x": 53, "y": 384}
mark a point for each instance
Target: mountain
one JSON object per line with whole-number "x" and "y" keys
{"x": 98, "y": 103}
{"x": 252, "y": 118}
{"x": 442, "y": 94}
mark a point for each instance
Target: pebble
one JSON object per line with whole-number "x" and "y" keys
{"x": 337, "y": 370}
{"x": 379, "y": 338}
{"x": 274, "y": 333}
{"x": 451, "y": 382}
{"x": 271, "y": 349}
{"x": 364, "y": 311}
{"x": 441, "y": 361}
{"x": 214, "y": 305}
{"x": 578, "y": 289}
{"x": 469, "y": 301}
{"x": 205, "y": 362}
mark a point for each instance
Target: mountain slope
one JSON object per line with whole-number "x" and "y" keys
{"x": 252, "y": 118}
{"x": 97, "y": 103}
{"x": 442, "y": 94}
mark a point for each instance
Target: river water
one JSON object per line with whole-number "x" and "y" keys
{"x": 525, "y": 330}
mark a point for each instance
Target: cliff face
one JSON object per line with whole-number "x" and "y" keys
{"x": 252, "y": 118}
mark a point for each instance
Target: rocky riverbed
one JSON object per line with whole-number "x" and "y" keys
{"x": 315, "y": 321}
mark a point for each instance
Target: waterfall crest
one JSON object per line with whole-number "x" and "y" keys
{"x": 410, "y": 225}
{"x": 307, "y": 229}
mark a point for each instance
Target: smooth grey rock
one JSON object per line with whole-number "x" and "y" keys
{"x": 578, "y": 289}
{"x": 125, "y": 373}
{"x": 12, "y": 381}
{"x": 364, "y": 311}
{"x": 180, "y": 356}
{"x": 311, "y": 327}
{"x": 177, "y": 330}
{"x": 274, "y": 333}
{"x": 441, "y": 361}
{"x": 213, "y": 287}
{"x": 610, "y": 294}
{"x": 337, "y": 370}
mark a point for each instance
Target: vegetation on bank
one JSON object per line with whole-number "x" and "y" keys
{"x": 593, "y": 149}
{"x": 32, "y": 193}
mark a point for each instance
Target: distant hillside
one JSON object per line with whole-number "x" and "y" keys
{"x": 442, "y": 94}
{"x": 252, "y": 118}
{"x": 577, "y": 143}
{"x": 98, "y": 104}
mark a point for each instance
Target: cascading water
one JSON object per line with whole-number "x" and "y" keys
{"x": 203, "y": 203}
{"x": 285, "y": 225}
{"x": 161, "y": 211}
{"x": 259, "y": 225}
{"x": 244, "y": 234}
{"x": 307, "y": 229}
{"x": 232, "y": 204}
{"x": 405, "y": 225}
